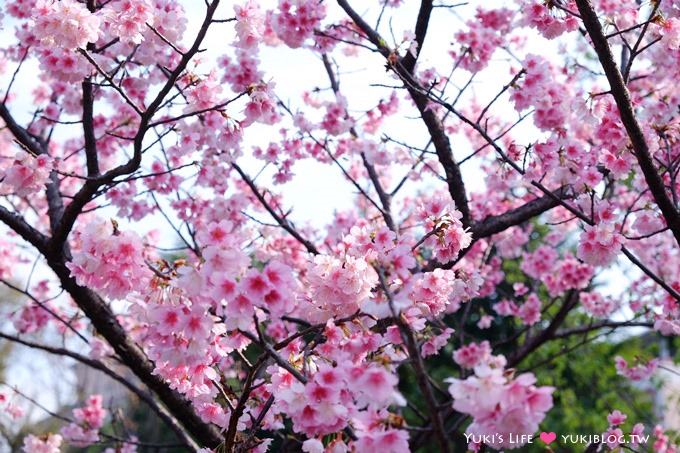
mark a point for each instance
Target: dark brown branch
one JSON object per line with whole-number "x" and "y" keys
{"x": 282, "y": 221}
{"x": 622, "y": 98}
{"x": 385, "y": 198}
{"x": 98, "y": 365}
{"x": 283, "y": 363}
{"x": 496, "y": 224}
{"x": 422, "y": 22}
{"x": 422, "y": 377}
{"x": 599, "y": 325}
{"x": 104, "y": 321}
{"x": 434, "y": 125}
{"x": 36, "y": 146}
{"x": 44, "y": 307}
{"x": 534, "y": 342}
{"x": 90, "y": 187}
{"x": 230, "y": 436}
{"x": 548, "y": 192}
{"x": 88, "y": 129}
{"x": 23, "y": 229}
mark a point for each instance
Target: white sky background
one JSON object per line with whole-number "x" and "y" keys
{"x": 317, "y": 191}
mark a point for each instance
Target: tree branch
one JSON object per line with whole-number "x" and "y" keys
{"x": 622, "y": 98}
{"x": 91, "y": 186}
{"x": 385, "y": 198}
{"x": 454, "y": 178}
{"x": 283, "y": 222}
{"x": 105, "y": 322}
{"x": 422, "y": 378}
{"x": 496, "y": 224}
{"x": 100, "y": 366}
{"x": 88, "y": 129}
{"x": 422, "y": 22}
{"x": 534, "y": 342}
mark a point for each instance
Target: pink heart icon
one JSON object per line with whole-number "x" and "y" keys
{"x": 548, "y": 437}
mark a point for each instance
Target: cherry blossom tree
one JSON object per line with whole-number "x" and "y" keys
{"x": 541, "y": 136}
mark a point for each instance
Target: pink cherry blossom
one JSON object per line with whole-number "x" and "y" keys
{"x": 129, "y": 19}
{"x": 340, "y": 287}
{"x": 27, "y": 174}
{"x": 89, "y": 419}
{"x": 616, "y": 418}
{"x": 637, "y": 372}
{"x": 501, "y": 405}
{"x": 65, "y": 23}
{"x": 473, "y": 354}
{"x": 599, "y": 244}
{"x": 109, "y": 260}
{"x": 310, "y": 197}
{"x": 49, "y": 444}
{"x": 295, "y": 20}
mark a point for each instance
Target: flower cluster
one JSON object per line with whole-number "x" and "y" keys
{"x": 435, "y": 343}
{"x": 638, "y": 372}
{"x": 539, "y": 89}
{"x": 50, "y": 443}
{"x": 64, "y": 65}
{"x": 89, "y": 419}
{"x": 9, "y": 407}
{"x": 66, "y": 23}
{"x": 111, "y": 262}
{"x": 33, "y": 317}
{"x": 447, "y": 235}
{"x": 21, "y": 9}
{"x": 340, "y": 287}
{"x": 486, "y": 32}
{"x": 500, "y": 404}
{"x": 596, "y": 304}
{"x": 296, "y": 20}
{"x": 129, "y": 19}
{"x": 547, "y": 20}
{"x": 599, "y": 244}
{"x": 250, "y": 24}
{"x": 262, "y": 105}
{"x": 432, "y": 292}
{"x": 473, "y": 354}
{"x": 346, "y": 390}
{"x": 27, "y": 174}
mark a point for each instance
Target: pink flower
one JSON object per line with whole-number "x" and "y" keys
{"x": 65, "y": 23}
{"x": 88, "y": 420}
{"x": 599, "y": 244}
{"x": 389, "y": 441}
{"x": 613, "y": 437}
{"x": 109, "y": 261}
{"x": 435, "y": 343}
{"x": 27, "y": 174}
{"x": 499, "y": 404}
{"x": 33, "y": 317}
{"x": 473, "y": 354}
{"x": 339, "y": 288}
{"x": 487, "y": 32}
{"x": 262, "y": 105}
{"x": 431, "y": 291}
{"x": 596, "y": 304}
{"x": 671, "y": 33}
{"x": 51, "y": 443}
{"x": 128, "y": 19}
{"x": 638, "y": 372}
{"x": 530, "y": 311}
{"x": 616, "y": 418}
{"x": 551, "y": 23}
{"x": 312, "y": 446}
{"x": 249, "y": 24}
{"x": 296, "y": 20}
